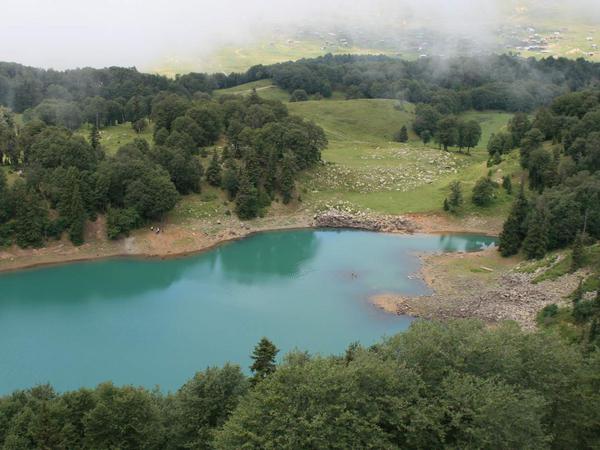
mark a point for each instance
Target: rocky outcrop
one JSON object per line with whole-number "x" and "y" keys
{"x": 334, "y": 218}
{"x": 513, "y": 297}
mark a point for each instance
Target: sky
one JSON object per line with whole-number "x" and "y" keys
{"x": 75, "y": 33}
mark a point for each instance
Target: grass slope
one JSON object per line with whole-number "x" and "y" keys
{"x": 366, "y": 170}
{"x": 265, "y": 88}
{"x": 111, "y": 138}
{"x": 267, "y": 50}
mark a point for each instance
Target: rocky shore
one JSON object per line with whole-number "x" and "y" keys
{"x": 498, "y": 297}
{"x": 334, "y": 218}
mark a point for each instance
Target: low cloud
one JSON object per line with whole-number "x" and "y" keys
{"x": 74, "y": 33}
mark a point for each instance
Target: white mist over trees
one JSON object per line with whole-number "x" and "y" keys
{"x": 71, "y": 33}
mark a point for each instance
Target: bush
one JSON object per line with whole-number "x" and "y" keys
{"x": 584, "y": 309}
{"x": 299, "y": 95}
{"x": 56, "y": 227}
{"x": 401, "y": 135}
{"x": 507, "y": 184}
{"x": 6, "y": 232}
{"x": 549, "y": 311}
{"x": 119, "y": 222}
{"x": 139, "y": 125}
{"x": 483, "y": 192}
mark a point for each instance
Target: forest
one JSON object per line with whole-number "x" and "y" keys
{"x": 457, "y": 384}
{"x": 69, "y": 179}
{"x": 563, "y": 177}
{"x": 437, "y": 385}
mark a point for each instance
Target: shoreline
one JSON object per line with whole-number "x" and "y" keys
{"x": 188, "y": 239}
{"x": 479, "y": 285}
{"x": 147, "y": 256}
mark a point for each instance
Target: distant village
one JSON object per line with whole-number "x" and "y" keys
{"x": 546, "y": 43}
{"x": 423, "y": 43}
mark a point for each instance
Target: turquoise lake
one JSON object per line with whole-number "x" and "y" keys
{"x": 157, "y": 322}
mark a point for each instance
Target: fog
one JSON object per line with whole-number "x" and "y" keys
{"x": 75, "y": 33}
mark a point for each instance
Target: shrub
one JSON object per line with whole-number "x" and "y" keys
{"x": 119, "y": 222}
{"x": 483, "y": 192}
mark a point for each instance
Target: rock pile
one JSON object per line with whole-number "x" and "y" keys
{"x": 334, "y": 218}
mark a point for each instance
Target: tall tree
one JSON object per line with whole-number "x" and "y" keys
{"x": 531, "y": 141}
{"x": 95, "y": 136}
{"x": 447, "y": 132}
{"x": 8, "y": 138}
{"x": 213, "y": 172}
{"x": 514, "y": 229}
{"x": 455, "y": 200}
{"x": 286, "y": 178}
{"x": 578, "y": 252}
{"x": 230, "y": 180}
{"x": 77, "y": 217}
{"x": 469, "y": 135}
{"x": 31, "y": 216}
{"x": 483, "y": 191}
{"x": 401, "y": 135}
{"x": 535, "y": 243}
{"x": 518, "y": 126}
{"x": 246, "y": 201}
{"x": 264, "y": 360}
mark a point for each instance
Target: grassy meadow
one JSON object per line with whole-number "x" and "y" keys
{"x": 363, "y": 168}
{"x": 265, "y": 88}
{"x": 116, "y": 136}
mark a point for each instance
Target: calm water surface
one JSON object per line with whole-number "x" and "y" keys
{"x": 152, "y": 322}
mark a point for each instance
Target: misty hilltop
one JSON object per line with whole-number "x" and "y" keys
{"x": 182, "y": 35}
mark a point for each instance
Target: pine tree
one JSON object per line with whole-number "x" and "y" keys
{"x": 77, "y": 217}
{"x": 213, "y": 172}
{"x": 264, "y": 360}
{"x": 402, "y": 135}
{"x": 513, "y": 231}
{"x": 31, "y": 217}
{"x": 536, "y": 241}
{"x": 577, "y": 294}
{"x": 426, "y": 136}
{"x": 446, "y": 205}
{"x": 594, "y": 333}
{"x": 252, "y": 166}
{"x": 507, "y": 184}
{"x": 577, "y": 254}
{"x": 286, "y": 180}
{"x": 95, "y": 137}
{"x": 246, "y": 201}
{"x": 483, "y": 192}
{"x": 71, "y": 206}
{"x": 230, "y": 182}
{"x": 455, "y": 200}
{"x": 496, "y": 159}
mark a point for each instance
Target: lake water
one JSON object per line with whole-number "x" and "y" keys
{"x": 157, "y": 322}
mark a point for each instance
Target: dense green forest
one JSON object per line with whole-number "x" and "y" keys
{"x": 452, "y": 85}
{"x": 563, "y": 176}
{"x": 68, "y": 179}
{"x": 453, "y": 385}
